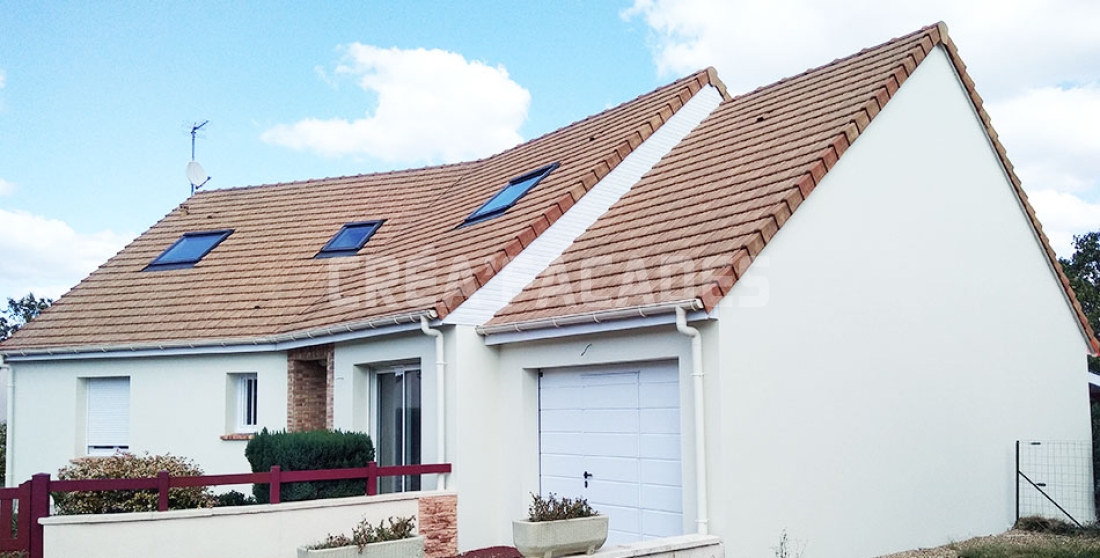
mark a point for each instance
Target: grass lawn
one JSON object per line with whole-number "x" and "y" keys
{"x": 1068, "y": 548}
{"x": 1054, "y": 539}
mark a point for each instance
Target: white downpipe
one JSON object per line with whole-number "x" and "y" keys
{"x": 440, "y": 398}
{"x": 9, "y": 457}
{"x": 700, "y": 418}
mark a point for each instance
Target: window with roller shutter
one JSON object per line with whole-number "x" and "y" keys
{"x": 108, "y": 415}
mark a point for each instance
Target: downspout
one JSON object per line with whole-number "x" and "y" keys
{"x": 9, "y": 456}
{"x": 440, "y": 398}
{"x": 700, "y": 418}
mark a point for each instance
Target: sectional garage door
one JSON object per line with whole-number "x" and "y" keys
{"x": 612, "y": 434}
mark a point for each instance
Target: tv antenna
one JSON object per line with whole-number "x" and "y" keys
{"x": 195, "y": 173}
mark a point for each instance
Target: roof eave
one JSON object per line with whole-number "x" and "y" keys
{"x": 350, "y": 331}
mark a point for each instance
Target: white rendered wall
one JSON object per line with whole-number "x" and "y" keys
{"x": 912, "y": 332}
{"x": 473, "y": 398}
{"x": 476, "y": 395}
{"x": 262, "y": 531}
{"x": 178, "y": 405}
{"x": 353, "y": 400}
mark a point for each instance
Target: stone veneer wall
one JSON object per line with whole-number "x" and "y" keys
{"x": 309, "y": 388}
{"x": 439, "y": 525}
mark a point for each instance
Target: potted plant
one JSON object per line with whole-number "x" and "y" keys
{"x": 558, "y": 527}
{"x": 394, "y": 541}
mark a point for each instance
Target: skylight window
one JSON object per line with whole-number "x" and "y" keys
{"x": 507, "y": 197}
{"x": 349, "y": 240}
{"x": 188, "y": 250}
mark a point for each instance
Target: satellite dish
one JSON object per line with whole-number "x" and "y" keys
{"x": 195, "y": 174}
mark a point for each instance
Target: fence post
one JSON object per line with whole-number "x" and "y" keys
{"x": 372, "y": 478}
{"x": 162, "y": 491}
{"x": 1016, "y": 479}
{"x": 40, "y": 507}
{"x": 23, "y": 526}
{"x": 276, "y": 489}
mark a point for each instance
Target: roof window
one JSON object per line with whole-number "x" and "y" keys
{"x": 188, "y": 250}
{"x": 509, "y": 195}
{"x": 349, "y": 239}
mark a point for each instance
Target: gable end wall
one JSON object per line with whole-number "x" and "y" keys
{"x": 910, "y": 330}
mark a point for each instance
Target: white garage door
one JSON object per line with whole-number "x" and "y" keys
{"x": 612, "y": 435}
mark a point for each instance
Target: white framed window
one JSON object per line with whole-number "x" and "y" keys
{"x": 108, "y": 415}
{"x": 245, "y": 412}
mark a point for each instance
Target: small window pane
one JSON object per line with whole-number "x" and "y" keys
{"x": 506, "y": 198}
{"x": 247, "y": 412}
{"x": 349, "y": 239}
{"x": 188, "y": 250}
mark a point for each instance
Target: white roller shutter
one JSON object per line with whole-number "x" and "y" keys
{"x": 108, "y": 415}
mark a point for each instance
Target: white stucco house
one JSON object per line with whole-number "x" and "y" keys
{"x": 821, "y": 304}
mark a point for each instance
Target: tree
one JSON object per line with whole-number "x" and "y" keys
{"x": 21, "y": 311}
{"x": 1083, "y": 270}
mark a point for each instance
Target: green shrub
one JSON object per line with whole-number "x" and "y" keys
{"x": 309, "y": 451}
{"x": 129, "y": 466}
{"x": 553, "y": 508}
{"x": 233, "y": 498}
{"x": 364, "y": 533}
{"x": 3, "y": 450}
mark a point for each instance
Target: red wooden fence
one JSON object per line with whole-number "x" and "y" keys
{"x": 32, "y": 498}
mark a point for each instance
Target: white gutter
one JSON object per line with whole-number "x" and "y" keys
{"x": 440, "y": 399}
{"x": 9, "y": 456}
{"x": 280, "y": 342}
{"x": 597, "y": 317}
{"x": 700, "y": 418}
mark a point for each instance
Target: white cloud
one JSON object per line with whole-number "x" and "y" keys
{"x": 1064, "y": 215}
{"x": 3, "y": 79}
{"x": 1052, "y": 134}
{"x": 432, "y": 106}
{"x": 46, "y": 256}
{"x": 1007, "y": 44}
{"x": 6, "y": 188}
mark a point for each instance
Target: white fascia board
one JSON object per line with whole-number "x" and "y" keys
{"x": 590, "y": 328}
{"x": 547, "y": 247}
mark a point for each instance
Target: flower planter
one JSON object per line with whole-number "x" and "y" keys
{"x": 403, "y": 548}
{"x": 549, "y": 539}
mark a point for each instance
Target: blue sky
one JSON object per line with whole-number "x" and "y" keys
{"x": 96, "y": 98}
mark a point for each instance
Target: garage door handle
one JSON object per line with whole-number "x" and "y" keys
{"x": 587, "y": 475}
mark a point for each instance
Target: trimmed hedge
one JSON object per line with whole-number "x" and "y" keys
{"x": 309, "y": 451}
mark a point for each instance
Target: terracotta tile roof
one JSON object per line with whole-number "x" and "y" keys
{"x": 263, "y": 281}
{"x": 713, "y": 203}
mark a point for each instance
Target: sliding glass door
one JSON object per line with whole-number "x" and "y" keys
{"x": 397, "y": 435}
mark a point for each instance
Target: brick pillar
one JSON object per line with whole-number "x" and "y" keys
{"x": 439, "y": 525}
{"x": 309, "y": 388}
